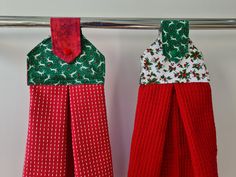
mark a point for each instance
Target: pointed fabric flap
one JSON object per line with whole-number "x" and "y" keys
{"x": 66, "y": 38}
{"x": 175, "y": 39}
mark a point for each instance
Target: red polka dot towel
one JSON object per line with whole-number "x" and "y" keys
{"x": 68, "y": 128}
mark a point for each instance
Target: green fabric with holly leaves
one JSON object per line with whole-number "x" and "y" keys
{"x": 45, "y": 68}
{"x": 175, "y": 38}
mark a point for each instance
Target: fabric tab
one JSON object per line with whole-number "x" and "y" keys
{"x": 175, "y": 38}
{"x": 66, "y": 38}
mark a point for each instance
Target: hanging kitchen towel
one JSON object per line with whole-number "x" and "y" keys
{"x": 174, "y": 130}
{"x": 68, "y": 129}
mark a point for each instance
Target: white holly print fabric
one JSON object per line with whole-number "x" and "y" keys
{"x": 156, "y": 68}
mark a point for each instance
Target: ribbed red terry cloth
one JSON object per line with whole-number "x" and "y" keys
{"x": 174, "y": 132}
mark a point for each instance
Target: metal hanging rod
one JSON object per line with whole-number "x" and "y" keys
{"x": 119, "y": 23}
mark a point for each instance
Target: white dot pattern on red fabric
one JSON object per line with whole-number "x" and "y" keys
{"x": 53, "y": 109}
{"x": 90, "y": 138}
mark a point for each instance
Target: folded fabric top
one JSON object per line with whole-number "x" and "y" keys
{"x": 158, "y": 67}
{"x": 45, "y": 68}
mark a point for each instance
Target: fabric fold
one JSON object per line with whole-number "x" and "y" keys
{"x": 174, "y": 132}
{"x": 150, "y": 130}
{"x": 196, "y": 110}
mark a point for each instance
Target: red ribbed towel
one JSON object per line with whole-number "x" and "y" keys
{"x": 174, "y": 132}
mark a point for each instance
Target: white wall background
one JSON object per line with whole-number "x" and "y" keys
{"x": 122, "y": 49}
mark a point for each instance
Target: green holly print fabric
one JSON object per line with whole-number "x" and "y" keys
{"x": 156, "y": 68}
{"x": 175, "y": 37}
{"x": 45, "y": 68}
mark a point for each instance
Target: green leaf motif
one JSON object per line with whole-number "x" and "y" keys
{"x": 175, "y": 38}
{"x": 45, "y": 68}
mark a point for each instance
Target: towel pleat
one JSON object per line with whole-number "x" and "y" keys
{"x": 174, "y": 132}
